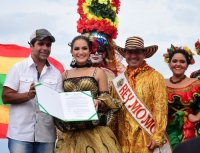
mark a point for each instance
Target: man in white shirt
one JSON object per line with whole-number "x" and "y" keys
{"x": 30, "y": 130}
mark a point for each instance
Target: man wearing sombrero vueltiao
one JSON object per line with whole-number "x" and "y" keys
{"x": 149, "y": 86}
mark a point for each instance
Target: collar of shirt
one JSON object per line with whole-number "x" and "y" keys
{"x": 31, "y": 62}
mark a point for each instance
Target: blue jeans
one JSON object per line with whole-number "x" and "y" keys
{"x": 16, "y": 146}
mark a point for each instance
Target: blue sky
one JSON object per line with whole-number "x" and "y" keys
{"x": 161, "y": 23}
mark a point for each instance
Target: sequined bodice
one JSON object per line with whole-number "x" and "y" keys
{"x": 85, "y": 83}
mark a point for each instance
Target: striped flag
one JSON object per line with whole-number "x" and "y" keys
{"x": 9, "y": 55}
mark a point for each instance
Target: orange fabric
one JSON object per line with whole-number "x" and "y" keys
{"x": 133, "y": 73}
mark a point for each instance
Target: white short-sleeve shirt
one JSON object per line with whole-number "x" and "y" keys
{"x": 26, "y": 122}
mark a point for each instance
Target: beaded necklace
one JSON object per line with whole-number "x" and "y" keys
{"x": 175, "y": 82}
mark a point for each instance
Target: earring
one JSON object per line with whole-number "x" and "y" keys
{"x": 89, "y": 62}
{"x": 73, "y": 63}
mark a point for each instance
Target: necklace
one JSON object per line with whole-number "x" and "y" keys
{"x": 73, "y": 64}
{"x": 81, "y": 66}
{"x": 175, "y": 82}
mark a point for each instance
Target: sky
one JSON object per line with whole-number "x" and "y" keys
{"x": 158, "y": 22}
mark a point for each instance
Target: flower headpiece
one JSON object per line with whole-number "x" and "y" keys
{"x": 172, "y": 48}
{"x": 197, "y": 47}
{"x": 99, "y": 16}
{"x": 98, "y": 21}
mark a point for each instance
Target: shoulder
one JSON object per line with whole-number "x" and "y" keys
{"x": 189, "y": 84}
{"x": 19, "y": 66}
{"x": 155, "y": 74}
{"x": 99, "y": 71}
{"x": 65, "y": 72}
{"x": 53, "y": 68}
{"x": 193, "y": 81}
{"x": 21, "y": 63}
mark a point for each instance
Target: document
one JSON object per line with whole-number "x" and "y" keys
{"x": 67, "y": 106}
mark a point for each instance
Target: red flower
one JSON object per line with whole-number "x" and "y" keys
{"x": 116, "y": 3}
{"x": 197, "y": 44}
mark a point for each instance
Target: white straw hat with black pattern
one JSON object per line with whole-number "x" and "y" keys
{"x": 137, "y": 43}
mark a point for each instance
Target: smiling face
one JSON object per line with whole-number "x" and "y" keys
{"x": 178, "y": 64}
{"x": 134, "y": 58}
{"x": 41, "y": 50}
{"x": 80, "y": 51}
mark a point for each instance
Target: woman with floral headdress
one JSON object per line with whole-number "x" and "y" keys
{"x": 183, "y": 96}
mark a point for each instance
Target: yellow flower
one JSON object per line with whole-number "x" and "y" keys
{"x": 166, "y": 60}
{"x": 89, "y": 2}
{"x": 198, "y": 51}
{"x": 188, "y": 50}
{"x": 104, "y": 1}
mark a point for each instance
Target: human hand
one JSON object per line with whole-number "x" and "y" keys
{"x": 97, "y": 103}
{"x": 194, "y": 118}
{"x": 32, "y": 92}
{"x": 58, "y": 133}
{"x": 152, "y": 145}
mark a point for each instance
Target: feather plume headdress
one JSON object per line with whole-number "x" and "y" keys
{"x": 99, "y": 16}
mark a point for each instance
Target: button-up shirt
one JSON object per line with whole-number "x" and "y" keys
{"x": 27, "y": 122}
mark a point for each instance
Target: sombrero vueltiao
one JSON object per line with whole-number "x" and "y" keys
{"x": 137, "y": 43}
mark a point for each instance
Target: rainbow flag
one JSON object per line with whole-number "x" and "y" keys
{"x": 9, "y": 55}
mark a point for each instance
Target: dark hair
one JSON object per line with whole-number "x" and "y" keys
{"x": 80, "y": 37}
{"x": 32, "y": 42}
{"x": 184, "y": 53}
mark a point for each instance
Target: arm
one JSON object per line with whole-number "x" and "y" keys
{"x": 11, "y": 86}
{"x": 103, "y": 87}
{"x": 106, "y": 99}
{"x": 195, "y": 117}
{"x": 10, "y": 96}
{"x": 102, "y": 80}
{"x": 160, "y": 108}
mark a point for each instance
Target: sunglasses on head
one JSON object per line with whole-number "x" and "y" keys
{"x": 99, "y": 50}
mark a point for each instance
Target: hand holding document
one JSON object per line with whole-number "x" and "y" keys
{"x": 67, "y": 106}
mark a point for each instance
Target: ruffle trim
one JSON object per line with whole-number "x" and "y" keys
{"x": 185, "y": 95}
